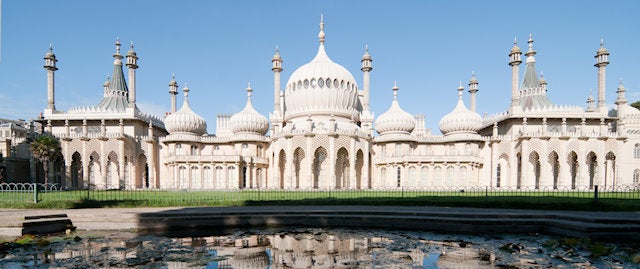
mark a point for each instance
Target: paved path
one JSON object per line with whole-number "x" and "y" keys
{"x": 169, "y": 220}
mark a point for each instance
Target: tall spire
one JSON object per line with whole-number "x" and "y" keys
{"x": 249, "y": 90}
{"x": 116, "y": 98}
{"x": 602, "y": 60}
{"x": 50, "y": 65}
{"x": 473, "y": 89}
{"x": 321, "y": 35}
{"x": 173, "y": 91}
{"x": 366, "y": 69}
{"x": 530, "y": 79}
{"x": 621, "y": 100}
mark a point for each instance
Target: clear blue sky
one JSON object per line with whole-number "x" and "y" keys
{"x": 219, "y": 46}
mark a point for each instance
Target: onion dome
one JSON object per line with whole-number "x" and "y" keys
{"x": 131, "y": 52}
{"x": 602, "y": 49}
{"x": 49, "y": 54}
{"x": 185, "y": 120}
{"x": 515, "y": 48}
{"x": 321, "y": 87}
{"x": 461, "y": 119}
{"x": 249, "y": 120}
{"x": 395, "y": 120}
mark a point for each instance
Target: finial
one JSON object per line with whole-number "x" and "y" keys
{"x": 173, "y": 76}
{"x": 395, "y": 90}
{"x": 117, "y": 45}
{"x": 50, "y": 47}
{"x": 515, "y": 40}
{"x": 131, "y": 46}
{"x": 277, "y": 49}
{"x": 460, "y": 89}
{"x": 601, "y": 42}
{"x": 366, "y": 47}
{"x": 186, "y": 91}
{"x": 249, "y": 90}
{"x": 321, "y": 35}
{"x": 530, "y": 42}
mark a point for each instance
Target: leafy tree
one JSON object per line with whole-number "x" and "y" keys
{"x": 46, "y": 149}
{"x": 636, "y": 105}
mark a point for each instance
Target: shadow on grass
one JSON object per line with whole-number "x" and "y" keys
{"x": 86, "y": 203}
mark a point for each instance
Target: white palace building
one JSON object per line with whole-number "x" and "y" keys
{"x": 322, "y": 134}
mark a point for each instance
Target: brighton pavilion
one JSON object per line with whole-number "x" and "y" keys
{"x": 322, "y": 134}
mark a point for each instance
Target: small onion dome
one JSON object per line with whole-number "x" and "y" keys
{"x": 461, "y": 119}
{"x": 395, "y": 120}
{"x": 366, "y": 55}
{"x": 107, "y": 83}
{"x": 131, "y": 52}
{"x": 49, "y": 54}
{"x": 602, "y": 49}
{"x": 515, "y": 48}
{"x": 249, "y": 120}
{"x": 185, "y": 120}
{"x": 276, "y": 56}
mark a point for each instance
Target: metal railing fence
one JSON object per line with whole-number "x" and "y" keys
{"x": 53, "y": 193}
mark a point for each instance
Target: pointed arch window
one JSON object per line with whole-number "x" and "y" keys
{"x": 636, "y": 151}
{"x": 636, "y": 177}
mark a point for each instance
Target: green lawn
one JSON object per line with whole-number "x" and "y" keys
{"x": 554, "y": 200}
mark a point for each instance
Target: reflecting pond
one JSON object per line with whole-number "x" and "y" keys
{"x": 314, "y": 248}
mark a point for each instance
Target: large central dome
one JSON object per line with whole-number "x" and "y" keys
{"x": 321, "y": 88}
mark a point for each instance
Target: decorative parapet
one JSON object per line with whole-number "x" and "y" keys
{"x": 207, "y": 139}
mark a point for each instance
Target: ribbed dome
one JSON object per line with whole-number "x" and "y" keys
{"x": 461, "y": 119}
{"x": 395, "y": 120}
{"x": 185, "y": 120}
{"x": 321, "y": 87}
{"x": 249, "y": 120}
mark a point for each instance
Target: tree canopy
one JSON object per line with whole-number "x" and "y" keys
{"x": 46, "y": 149}
{"x": 636, "y": 105}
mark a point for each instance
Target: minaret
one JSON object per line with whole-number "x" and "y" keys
{"x": 622, "y": 99}
{"x": 132, "y": 64}
{"x": 591, "y": 103}
{"x": 514, "y": 61}
{"x": 366, "y": 69}
{"x": 473, "y": 89}
{"x": 106, "y": 85}
{"x": 50, "y": 64}
{"x": 276, "y": 67}
{"x": 602, "y": 60}
{"x": 173, "y": 91}
{"x": 543, "y": 82}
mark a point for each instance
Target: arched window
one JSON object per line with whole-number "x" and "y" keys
{"x": 412, "y": 176}
{"x": 636, "y": 177}
{"x": 182, "y": 177}
{"x": 636, "y": 151}
{"x": 219, "y": 183}
{"x": 194, "y": 150}
{"x": 437, "y": 176}
{"x": 195, "y": 177}
{"x": 207, "y": 177}
{"x": 178, "y": 149}
{"x": 399, "y": 176}
{"x": 461, "y": 181}
{"x": 449, "y": 179}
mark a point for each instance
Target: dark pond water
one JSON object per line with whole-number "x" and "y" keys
{"x": 315, "y": 248}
